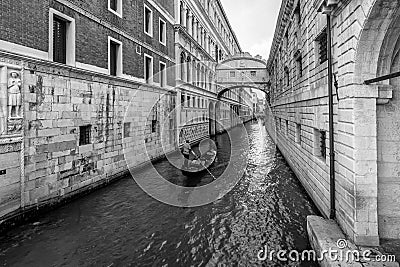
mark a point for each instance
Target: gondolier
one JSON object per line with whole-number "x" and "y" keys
{"x": 186, "y": 150}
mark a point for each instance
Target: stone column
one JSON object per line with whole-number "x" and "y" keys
{"x": 184, "y": 15}
{"x": 190, "y": 23}
{"x": 3, "y": 100}
{"x": 194, "y": 28}
{"x": 198, "y": 32}
{"x": 202, "y": 37}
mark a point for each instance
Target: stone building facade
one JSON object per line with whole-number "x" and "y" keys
{"x": 203, "y": 37}
{"x": 85, "y": 88}
{"x": 365, "y": 45}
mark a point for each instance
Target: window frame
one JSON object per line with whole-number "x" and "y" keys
{"x": 117, "y": 12}
{"x": 162, "y": 74}
{"x": 70, "y": 56}
{"x": 150, "y": 80}
{"x": 119, "y": 63}
{"x": 88, "y": 138}
{"x": 150, "y": 33}
{"x": 162, "y": 22}
{"x": 318, "y": 44}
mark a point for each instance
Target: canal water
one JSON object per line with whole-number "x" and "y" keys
{"x": 120, "y": 225}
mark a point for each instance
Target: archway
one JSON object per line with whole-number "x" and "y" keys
{"x": 378, "y": 55}
{"x": 264, "y": 88}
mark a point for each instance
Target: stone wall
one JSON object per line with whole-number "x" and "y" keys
{"x": 80, "y": 130}
{"x": 300, "y": 110}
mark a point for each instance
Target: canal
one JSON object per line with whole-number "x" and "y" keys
{"x": 121, "y": 225}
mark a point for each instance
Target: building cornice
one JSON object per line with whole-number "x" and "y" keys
{"x": 283, "y": 20}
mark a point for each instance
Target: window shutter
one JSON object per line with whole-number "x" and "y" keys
{"x": 60, "y": 40}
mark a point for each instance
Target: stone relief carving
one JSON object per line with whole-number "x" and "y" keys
{"x": 10, "y": 101}
{"x": 14, "y": 95}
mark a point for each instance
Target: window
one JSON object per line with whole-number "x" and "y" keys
{"x": 232, "y": 74}
{"x": 148, "y": 21}
{"x": 148, "y": 69}
{"x": 115, "y": 6}
{"x": 182, "y": 100}
{"x": 287, "y": 76}
{"x": 320, "y": 143}
{"x": 188, "y": 101}
{"x": 322, "y": 46}
{"x": 127, "y": 129}
{"x": 198, "y": 102}
{"x": 253, "y": 73}
{"x": 154, "y": 118}
{"x": 287, "y": 128}
{"x": 163, "y": 77}
{"x": 299, "y": 66}
{"x": 298, "y": 133}
{"x": 85, "y": 135}
{"x": 154, "y": 126}
{"x": 163, "y": 32}
{"x": 113, "y": 58}
{"x": 61, "y": 38}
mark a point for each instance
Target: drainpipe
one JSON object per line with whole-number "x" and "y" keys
{"x": 326, "y": 7}
{"x": 331, "y": 123}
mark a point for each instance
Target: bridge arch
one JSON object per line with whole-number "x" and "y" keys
{"x": 242, "y": 71}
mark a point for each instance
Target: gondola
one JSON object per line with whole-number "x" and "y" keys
{"x": 200, "y": 164}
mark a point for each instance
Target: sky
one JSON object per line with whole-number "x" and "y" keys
{"x": 254, "y": 23}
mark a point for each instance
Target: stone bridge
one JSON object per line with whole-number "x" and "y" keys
{"x": 242, "y": 71}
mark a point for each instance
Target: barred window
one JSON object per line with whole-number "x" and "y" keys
{"x": 85, "y": 135}
{"x": 323, "y": 144}
{"x": 320, "y": 143}
{"x": 322, "y": 42}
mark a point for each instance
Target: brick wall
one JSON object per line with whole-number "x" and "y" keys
{"x": 94, "y": 23}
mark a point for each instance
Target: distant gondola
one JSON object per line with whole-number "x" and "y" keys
{"x": 201, "y": 164}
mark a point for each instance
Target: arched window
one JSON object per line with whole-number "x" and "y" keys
{"x": 203, "y": 77}
{"x": 287, "y": 76}
{"x": 183, "y": 57}
{"x": 189, "y": 69}
{"x": 198, "y": 75}
{"x": 194, "y": 72}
